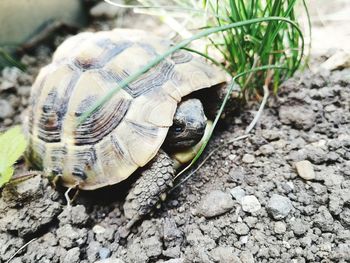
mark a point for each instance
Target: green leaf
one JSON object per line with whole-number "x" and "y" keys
{"x": 6, "y": 176}
{"x": 12, "y": 145}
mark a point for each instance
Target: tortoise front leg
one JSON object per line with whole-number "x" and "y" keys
{"x": 147, "y": 191}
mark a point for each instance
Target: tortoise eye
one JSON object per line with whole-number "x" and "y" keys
{"x": 178, "y": 129}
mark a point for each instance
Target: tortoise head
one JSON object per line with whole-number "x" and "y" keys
{"x": 188, "y": 125}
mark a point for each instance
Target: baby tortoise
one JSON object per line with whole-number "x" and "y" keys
{"x": 129, "y": 130}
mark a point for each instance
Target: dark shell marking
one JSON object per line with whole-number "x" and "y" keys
{"x": 100, "y": 123}
{"x": 121, "y": 153}
{"x": 111, "y": 50}
{"x": 86, "y": 160}
{"x": 57, "y": 159}
{"x": 153, "y": 79}
{"x": 180, "y": 57}
{"x": 143, "y": 130}
{"x": 53, "y": 111}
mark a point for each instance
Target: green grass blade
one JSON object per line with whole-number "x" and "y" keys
{"x": 7, "y": 60}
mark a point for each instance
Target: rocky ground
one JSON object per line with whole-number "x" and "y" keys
{"x": 280, "y": 195}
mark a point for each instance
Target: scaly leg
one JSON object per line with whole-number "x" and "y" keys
{"x": 147, "y": 191}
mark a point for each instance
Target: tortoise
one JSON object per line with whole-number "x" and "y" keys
{"x": 129, "y": 130}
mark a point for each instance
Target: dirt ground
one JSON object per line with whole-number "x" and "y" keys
{"x": 280, "y": 195}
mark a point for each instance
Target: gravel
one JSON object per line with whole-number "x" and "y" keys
{"x": 237, "y": 193}
{"x": 301, "y": 117}
{"x": 308, "y": 121}
{"x": 214, "y": 204}
{"x": 299, "y": 227}
{"x": 6, "y": 109}
{"x": 248, "y": 158}
{"x": 241, "y": 229}
{"x": 250, "y": 204}
{"x": 279, "y": 206}
{"x": 280, "y": 227}
{"x": 305, "y": 170}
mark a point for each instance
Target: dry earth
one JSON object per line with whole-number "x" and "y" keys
{"x": 280, "y": 195}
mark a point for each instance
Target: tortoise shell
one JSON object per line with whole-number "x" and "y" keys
{"x": 127, "y": 131}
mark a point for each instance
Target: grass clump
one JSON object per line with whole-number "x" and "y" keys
{"x": 12, "y": 147}
{"x": 257, "y": 44}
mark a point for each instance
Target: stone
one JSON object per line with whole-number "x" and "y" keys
{"x": 237, "y": 193}
{"x": 248, "y": 158}
{"x": 339, "y": 60}
{"x": 271, "y": 135}
{"x": 6, "y": 85}
{"x": 136, "y": 253}
{"x": 298, "y": 227}
{"x": 279, "y": 206}
{"x": 215, "y": 203}
{"x": 103, "y": 9}
{"x": 323, "y": 219}
{"x": 72, "y": 256}
{"x": 75, "y": 215}
{"x": 69, "y": 237}
{"x": 40, "y": 209}
{"x": 172, "y": 236}
{"x": 172, "y": 252}
{"x": 97, "y": 229}
{"x": 224, "y": 255}
{"x": 305, "y": 170}
{"x": 267, "y": 149}
{"x": 6, "y": 109}
{"x": 247, "y": 257}
{"x": 301, "y": 117}
{"x": 250, "y": 204}
{"x": 345, "y": 217}
{"x": 152, "y": 246}
{"x": 9, "y": 245}
{"x": 93, "y": 250}
{"x": 104, "y": 253}
{"x": 241, "y": 229}
{"x": 175, "y": 260}
{"x": 110, "y": 260}
{"x": 279, "y": 227}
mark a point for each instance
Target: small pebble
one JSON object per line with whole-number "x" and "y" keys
{"x": 247, "y": 257}
{"x": 241, "y": 229}
{"x": 104, "y": 253}
{"x": 224, "y": 254}
{"x": 279, "y": 227}
{"x": 298, "y": 227}
{"x": 231, "y": 157}
{"x": 238, "y": 193}
{"x": 250, "y": 204}
{"x": 248, "y": 158}
{"x": 305, "y": 170}
{"x": 98, "y": 229}
{"x": 104, "y": 9}
{"x": 6, "y": 109}
{"x": 110, "y": 260}
{"x": 72, "y": 256}
{"x": 215, "y": 203}
{"x": 267, "y": 149}
{"x": 323, "y": 219}
{"x": 279, "y": 206}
